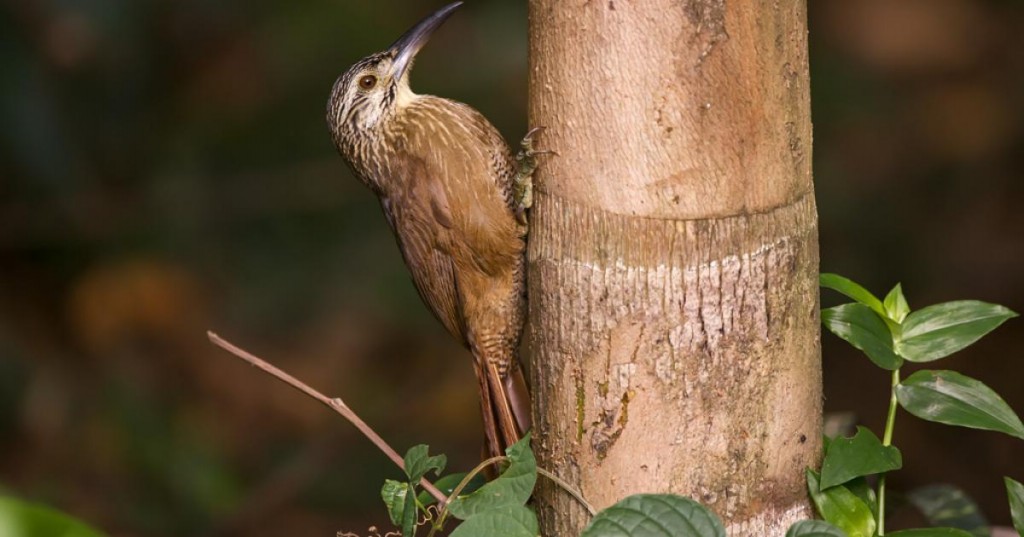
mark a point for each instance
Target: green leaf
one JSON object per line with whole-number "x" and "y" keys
{"x": 520, "y": 450}
{"x": 851, "y": 289}
{"x": 841, "y": 507}
{"x": 400, "y": 500}
{"x": 447, "y": 485}
{"x": 937, "y": 331}
{"x": 864, "y": 329}
{"x": 505, "y": 521}
{"x": 954, "y": 399}
{"x": 393, "y": 493}
{"x": 860, "y": 488}
{"x": 655, "y": 515}
{"x": 930, "y": 532}
{"x": 946, "y": 505}
{"x": 512, "y": 487}
{"x": 23, "y": 519}
{"x": 814, "y": 528}
{"x": 896, "y": 304}
{"x": 1015, "y": 491}
{"x": 861, "y": 455}
{"x": 417, "y": 463}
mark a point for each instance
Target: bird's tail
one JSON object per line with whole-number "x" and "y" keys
{"x": 505, "y": 403}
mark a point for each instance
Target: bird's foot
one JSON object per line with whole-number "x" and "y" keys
{"x": 526, "y": 164}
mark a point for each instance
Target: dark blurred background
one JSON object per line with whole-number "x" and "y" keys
{"x": 165, "y": 169}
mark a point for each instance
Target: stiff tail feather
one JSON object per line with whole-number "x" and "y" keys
{"x": 492, "y": 438}
{"x": 505, "y": 403}
{"x": 518, "y": 397}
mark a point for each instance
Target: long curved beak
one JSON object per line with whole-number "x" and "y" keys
{"x": 407, "y": 46}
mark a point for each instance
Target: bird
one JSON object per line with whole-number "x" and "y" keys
{"x": 455, "y": 197}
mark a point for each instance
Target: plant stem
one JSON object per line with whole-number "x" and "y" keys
{"x": 439, "y": 523}
{"x": 335, "y": 404}
{"x": 568, "y": 488}
{"x": 890, "y": 424}
{"x": 890, "y": 421}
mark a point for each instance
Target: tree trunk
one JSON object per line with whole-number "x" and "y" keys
{"x": 673, "y": 257}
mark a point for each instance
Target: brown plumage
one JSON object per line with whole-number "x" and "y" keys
{"x": 446, "y": 181}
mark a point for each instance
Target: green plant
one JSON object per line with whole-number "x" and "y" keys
{"x": 498, "y": 508}
{"x": 1015, "y": 490}
{"x": 887, "y": 331}
{"x": 19, "y": 518}
{"x": 890, "y": 334}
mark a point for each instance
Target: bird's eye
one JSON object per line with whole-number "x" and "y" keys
{"x": 367, "y": 82}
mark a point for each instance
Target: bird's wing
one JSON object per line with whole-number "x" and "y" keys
{"x": 467, "y": 169}
{"x": 420, "y": 225}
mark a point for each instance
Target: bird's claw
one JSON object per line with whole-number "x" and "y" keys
{"x": 526, "y": 164}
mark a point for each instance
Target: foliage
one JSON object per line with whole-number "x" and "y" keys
{"x": 513, "y": 488}
{"x": 841, "y": 507}
{"x": 887, "y": 331}
{"x": 22, "y": 519}
{"x": 931, "y": 532}
{"x": 946, "y": 505}
{"x": 890, "y": 334}
{"x": 951, "y": 398}
{"x": 495, "y": 508}
{"x": 864, "y": 454}
{"x": 655, "y": 515}
{"x": 814, "y": 528}
{"x": 498, "y": 508}
{"x": 1015, "y": 490}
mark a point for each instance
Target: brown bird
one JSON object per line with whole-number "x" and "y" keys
{"x": 451, "y": 191}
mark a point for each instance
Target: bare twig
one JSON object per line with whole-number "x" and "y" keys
{"x": 335, "y": 404}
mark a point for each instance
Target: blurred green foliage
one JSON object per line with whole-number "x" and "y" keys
{"x": 23, "y": 519}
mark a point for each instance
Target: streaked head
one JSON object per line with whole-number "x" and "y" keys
{"x": 371, "y": 90}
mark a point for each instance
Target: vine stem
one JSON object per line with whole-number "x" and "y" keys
{"x": 462, "y": 485}
{"x": 890, "y": 424}
{"x": 336, "y": 404}
{"x": 494, "y": 460}
{"x": 568, "y": 488}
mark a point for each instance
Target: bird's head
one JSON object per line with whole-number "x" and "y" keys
{"x": 373, "y": 89}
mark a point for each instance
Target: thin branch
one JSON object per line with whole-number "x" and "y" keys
{"x": 335, "y": 404}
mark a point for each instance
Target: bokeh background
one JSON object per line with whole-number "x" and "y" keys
{"x": 165, "y": 169}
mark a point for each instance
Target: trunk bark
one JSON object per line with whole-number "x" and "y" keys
{"x": 673, "y": 257}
